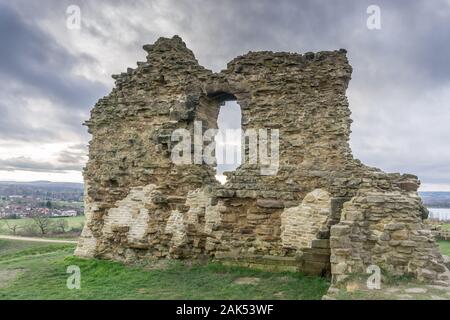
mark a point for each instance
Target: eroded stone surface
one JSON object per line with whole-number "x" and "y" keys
{"x": 140, "y": 205}
{"x": 385, "y": 229}
{"x": 302, "y": 224}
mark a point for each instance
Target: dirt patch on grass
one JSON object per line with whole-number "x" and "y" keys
{"x": 157, "y": 265}
{"x": 247, "y": 280}
{"x": 8, "y": 276}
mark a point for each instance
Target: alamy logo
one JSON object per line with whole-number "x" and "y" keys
{"x": 374, "y": 19}
{"x": 73, "y": 21}
{"x": 257, "y": 147}
{"x": 374, "y": 281}
{"x": 74, "y": 280}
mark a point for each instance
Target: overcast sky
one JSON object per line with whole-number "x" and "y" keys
{"x": 51, "y": 76}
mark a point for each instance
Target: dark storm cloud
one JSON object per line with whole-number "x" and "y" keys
{"x": 39, "y": 67}
{"x": 32, "y": 58}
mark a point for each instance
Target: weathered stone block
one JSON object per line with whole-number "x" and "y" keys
{"x": 270, "y": 203}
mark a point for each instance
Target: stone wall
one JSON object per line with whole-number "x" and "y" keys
{"x": 385, "y": 229}
{"x": 140, "y": 205}
{"x": 302, "y": 224}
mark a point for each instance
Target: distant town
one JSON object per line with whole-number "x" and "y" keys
{"x": 25, "y": 199}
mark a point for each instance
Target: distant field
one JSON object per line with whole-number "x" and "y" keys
{"x": 40, "y": 273}
{"x": 74, "y": 222}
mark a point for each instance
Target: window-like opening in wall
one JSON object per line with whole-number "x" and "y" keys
{"x": 228, "y": 139}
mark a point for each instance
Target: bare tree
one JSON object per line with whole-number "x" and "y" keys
{"x": 62, "y": 225}
{"x": 13, "y": 227}
{"x": 42, "y": 221}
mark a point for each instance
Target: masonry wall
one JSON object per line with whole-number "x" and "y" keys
{"x": 139, "y": 205}
{"x": 130, "y": 153}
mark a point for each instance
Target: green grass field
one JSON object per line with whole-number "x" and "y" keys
{"x": 31, "y": 271}
{"x": 446, "y": 227}
{"x": 74, "y": 222}
{"x": 15, "y": 248}
{"x": 445, "y": 247}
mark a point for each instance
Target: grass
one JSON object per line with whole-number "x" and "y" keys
{"x": 8, "y": 247}
{"x": 31, "y": 270}
{"x": 446, "y": 226}
{"x": 74, "y": 222}
{"x": 43, "y": 276}
{"x": 445, "y": 247}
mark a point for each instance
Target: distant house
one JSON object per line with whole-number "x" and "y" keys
{"x": 68, "y": 213}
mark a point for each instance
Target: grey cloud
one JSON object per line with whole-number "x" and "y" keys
{"x": 28, "y": 164}
{"x": 41, "y": 65}
{"x": 23, "y": 119}
{"x": 76, "y": 155}
{"x": 38, "y": 67}
{"x": 12, "y": 126}
{"x": 230, "y": 116}
{"x": 71, "y": 159}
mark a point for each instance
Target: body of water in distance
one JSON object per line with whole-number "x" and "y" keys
{"x": 439, "y": 213}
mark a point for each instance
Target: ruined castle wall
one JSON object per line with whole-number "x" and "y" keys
{"x": 302, "y": 96}
{"x": 319, "y": 211}
{"x": 385, "y": 229}
{"x": 130, "y": 148}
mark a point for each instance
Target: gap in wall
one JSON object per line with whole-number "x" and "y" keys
{"x": 228, "y": 139}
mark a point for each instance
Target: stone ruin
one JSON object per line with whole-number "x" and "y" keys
{"x": 323, "y": 213}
